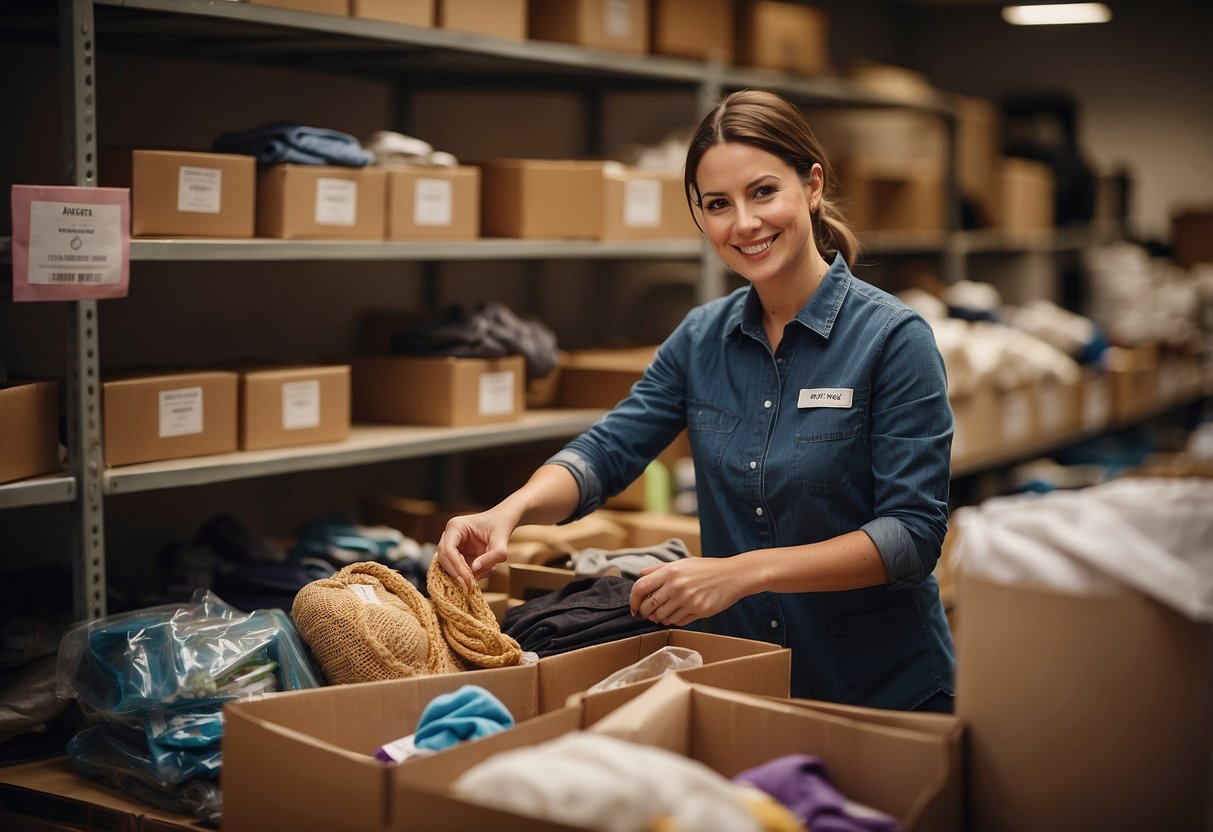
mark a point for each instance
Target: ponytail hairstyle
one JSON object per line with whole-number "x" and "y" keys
{"x": 773, "y": 124}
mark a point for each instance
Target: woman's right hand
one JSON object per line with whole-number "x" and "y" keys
{"x": 472, "y": 544}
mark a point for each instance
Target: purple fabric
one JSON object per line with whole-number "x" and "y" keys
{"x": 800, "y": 782}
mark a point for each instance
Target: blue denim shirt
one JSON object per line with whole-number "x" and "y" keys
{"x": 775, "y": 466}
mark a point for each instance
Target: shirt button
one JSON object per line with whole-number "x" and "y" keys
{"x": 774, "y": 624}
{"x": 758, "y": 511}
{"x": 767, "y": 403}
{"x": 753, "y": 464}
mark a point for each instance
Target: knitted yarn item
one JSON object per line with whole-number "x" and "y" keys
{"x": 367, "y": 623}
{"x": 468, "y": 624}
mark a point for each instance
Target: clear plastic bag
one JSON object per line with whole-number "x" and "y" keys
{"x": 126, "y": 665}
{"x": 153, "y": 683}
{"x": 663, "y": 661}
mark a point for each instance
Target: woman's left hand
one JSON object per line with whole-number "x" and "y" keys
{"x": 675, "y": 594}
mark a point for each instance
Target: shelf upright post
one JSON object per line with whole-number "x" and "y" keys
{"x": 711, "y": 282}
{"x": 78, "y": 49}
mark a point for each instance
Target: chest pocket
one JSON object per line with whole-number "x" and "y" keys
{"x": 831, "y": 444}
{"x": 709, "y": 428}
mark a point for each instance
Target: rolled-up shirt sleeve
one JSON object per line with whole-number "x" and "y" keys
{"x": 590, "y": 486}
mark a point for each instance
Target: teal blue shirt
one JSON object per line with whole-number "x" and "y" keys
{"x": 845, "y": 426}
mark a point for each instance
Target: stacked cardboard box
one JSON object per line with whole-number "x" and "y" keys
{"x": 29, "y": 429}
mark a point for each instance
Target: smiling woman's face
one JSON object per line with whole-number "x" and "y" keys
{"x": 756, "y": 212}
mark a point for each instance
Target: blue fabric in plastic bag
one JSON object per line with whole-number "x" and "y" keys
{"x": 154, "y": 681}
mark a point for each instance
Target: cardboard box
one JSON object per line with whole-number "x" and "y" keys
{"x": 169, "y": 415}
{"x": 29, "y": 429}
{"x": 438, "y": 390}
{"x": 50, "y": 794}
{"x": 285, "y": 756}
{"x": 600, "y": 378}
{"x": 945, "y": 809}
{"x": 616, "y": 25}
{"x": 1192, "y": 237}
{"x": 298, "y": 202}
{"x": 978, "y": 155}
{"x": 427, "y": 203}
{"x": 905, "y": 198}
{"x": 530, "y": 580}
{"x": 1026, "y": 195}
{"x": 1084, "y": 711}
{"x": 1059, "y": 408}
{"x": 529, "y": 199}
{"x": 1132, "y": 374}
{"x": 989, "y": 423}
{"x": 285, "y": 406}
{"x": 498, "y": 18}
{"x": 645, "y": 205}
{"x": 702, "y": 30}
{"x": 782, "y": 36}
{"x": 408, "y": 12}
{"x": 337, "y": 7}
{"x": 185, "y": 194}
{"x": 898, "y": 770}
{"x": 1096, "y": 407}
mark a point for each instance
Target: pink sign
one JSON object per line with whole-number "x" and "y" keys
{"x": 71, "y": 243}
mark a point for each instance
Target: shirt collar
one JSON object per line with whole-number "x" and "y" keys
{"x": 818, "y": 314}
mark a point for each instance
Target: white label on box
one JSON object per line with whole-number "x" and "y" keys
{"x": 642, "y": 203}
{"x": 301, "y": 404}
{"x": 199, "y": 189}
{"x": 433, "y": 201}
{"x": 180, "y": 411}
{"x": 617, "y": 18}
{"x": 1095, "y": 404}
{"x": 74, "y": 244}
{"x": 365, "y": 592}
{"x": 1052, "y": 408}
{"x": 336, "y": 201}
{"x": 496, "y": 394}
{"x": 1016, "y": 417}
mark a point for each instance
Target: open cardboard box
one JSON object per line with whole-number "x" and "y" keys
{"x": 897, "y": 769}
{"x": 1083, "y": 711}
{"x": 304, "y": 759}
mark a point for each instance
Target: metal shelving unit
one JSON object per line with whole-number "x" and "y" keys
{"x": 219, "y": 31}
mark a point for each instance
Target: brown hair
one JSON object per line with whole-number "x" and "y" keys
{"x": 773, "y": 124}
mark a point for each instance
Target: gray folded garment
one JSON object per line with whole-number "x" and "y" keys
{"x": 491, "y": 330}
{"x": 627, "y": 563}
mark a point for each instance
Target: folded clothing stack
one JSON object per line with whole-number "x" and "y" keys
{"x": 288, "y": 142}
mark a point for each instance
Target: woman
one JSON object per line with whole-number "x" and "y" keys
{"x": 820, "y": 429}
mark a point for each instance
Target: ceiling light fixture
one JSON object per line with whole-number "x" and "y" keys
{"x": 1057, "y": 13}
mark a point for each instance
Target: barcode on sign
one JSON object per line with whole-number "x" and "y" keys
{"x": 75, "y": 277}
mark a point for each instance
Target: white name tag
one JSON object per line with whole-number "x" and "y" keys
{"x": 825, "y": 397}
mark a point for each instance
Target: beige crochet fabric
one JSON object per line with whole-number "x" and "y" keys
{"x": 367, "y": 622}
{"x": 468, "y": 624}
